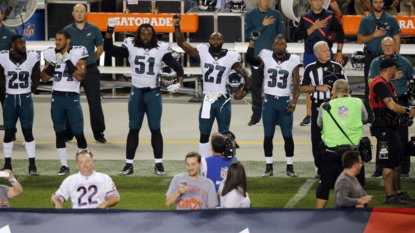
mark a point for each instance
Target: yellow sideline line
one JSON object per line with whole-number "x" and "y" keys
{"x": 175, "y": 142}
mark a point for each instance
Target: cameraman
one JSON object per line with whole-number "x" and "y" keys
{"x": 350, "y": 114}
{"x": 215, "y": 167}
{"x": 403, "y": 76}
{"x": 382, "y": 99}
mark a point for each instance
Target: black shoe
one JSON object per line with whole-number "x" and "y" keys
{"x": 33, "y": 171}
{"x": 101, "y": 140}
{"x": 318, "y": 176}
{"x": 305, "y": 121}
{"x": 64, "y": 171}
{"x": 252, "y": 122}
{"x": 394, "y": 200}
{"x": 159, "y": 169}
{"x": 290, "y": 171}
{"x": 7, "y": 168}
{"x": 1, "y": 127}
{"x": 376, "y": 174}
{"x": 403, "y": 196}
{"x": 269, "y": 171}
{"x": 127, "y": 170}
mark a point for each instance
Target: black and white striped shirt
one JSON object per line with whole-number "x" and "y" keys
{"x": 317, "y": 73}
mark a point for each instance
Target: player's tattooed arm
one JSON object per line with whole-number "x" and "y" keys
{"x": 392, "y": 105}
{"x": 35, "y": 77}
{"x": 181, "y": 41}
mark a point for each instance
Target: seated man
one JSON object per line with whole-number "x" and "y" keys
{"x": 215, "y": 167}
{"x": 348, "y": 191}
{"x": 87, "y": 189}
{"x": 7, "y": 192}
{"x": 191, "y": 191}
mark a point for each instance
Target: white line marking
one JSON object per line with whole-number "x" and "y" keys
{"x": 301, "y": 193}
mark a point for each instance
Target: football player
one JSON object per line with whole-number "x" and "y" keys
{"x": 216, "y": 64}
{"x": 20, "y": 71}
{"x": 280, "y": 70}
{"x": 146, "y": 56}
{"x": 87, "y": 189}
{"x": 66, "y": 65}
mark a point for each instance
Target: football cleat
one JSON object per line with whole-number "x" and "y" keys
{"x": 64, "y": 171}
{"x": 127, "y": 170}
{"x": 33, "y": 171}
{"x": 394, "y": 200}
{"x": 290, "y": 171}
{"x": 159, "y": 169}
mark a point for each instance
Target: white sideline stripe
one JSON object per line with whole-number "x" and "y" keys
{"x": 301, "y": 193}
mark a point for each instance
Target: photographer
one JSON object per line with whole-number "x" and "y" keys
{"x": 403, "y": 76}
{"x": 215, "y": 167}
{"x": 382, "y": 99}
{"x": 350, "y": 114}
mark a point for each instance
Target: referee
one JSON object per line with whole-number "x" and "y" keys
{"x": 318, "y": 79}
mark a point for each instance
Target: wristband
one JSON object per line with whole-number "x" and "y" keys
{"x": 71, "y": 67}
{"x": 408, "y": 111}
{"x": 50, "y": 70}
{"x": 245, "y": 90}
{"x": 13, "y": 181}
{"x": 339, "y": 51}
{"x": 110, "y": 29}
{"x": 176, "y": 25}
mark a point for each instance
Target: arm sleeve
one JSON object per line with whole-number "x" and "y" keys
{"x": 341, "y": 192}
{"x": 113, "y": 50}
{"x": 337, "y": 27}
{"x": 362, "y": 29}
{"x": 280, "y": 26}
{"x": 212, "y": 199}
{"x": 374, "y": 69}
{"x": 174, "y": 64}
{"x": 251, "y": 59}
{"x": 110, "y": 188}
{"x": 63, "y": 191}
{"x": 320, "y": 116}
{"x": 395, "y": 28}
{"x": 409, "y": 71}
{"x": 99, "y": 40}
{"x": 231, "y": 199}
{"x": 306, "y": 80}
{"x": 173, "y": 186}
{"x": 300, "y": 32}
{"x": 249, "y": 26}
{"x": 382, "y": 90}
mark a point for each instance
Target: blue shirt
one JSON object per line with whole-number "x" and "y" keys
{"x": 89, "y": 37}
{"x": 368, "y": 26}
{"x": 217, "y": 169}
{"x": 6, "y": 35}
{"x": 253, "y": 22}
{"x": 406, "y": 68}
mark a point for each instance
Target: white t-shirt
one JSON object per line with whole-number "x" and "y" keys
{"x": 86, "y": 192}
{"x": 233, "y": 199}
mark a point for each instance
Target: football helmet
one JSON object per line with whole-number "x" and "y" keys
{"x": 236, "y": 6}
{"x": 358, "y": 60}
{"x": 207, "y": 5}
{"x": 167, "y": 76}
{"x": 234, "y": 83}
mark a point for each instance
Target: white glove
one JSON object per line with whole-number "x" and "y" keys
{"x": 112, "y": 22}
{"x": 57, "y": 58}
{"x": 66, "y": 56}
{"x": 174, "y": 88}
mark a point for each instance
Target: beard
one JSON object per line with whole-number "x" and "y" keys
{"x": 279, "y": 53}
{"x": 20, "y": 52}
{"x": 216, "y": 49}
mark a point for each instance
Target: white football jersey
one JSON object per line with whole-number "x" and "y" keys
{"x": 18, "y": 76}
{"x": 216, "y": 70}
{"x": 62, "y": 80}
{"x": 145, "y": 64}
{"x": 278, "y": 74}
{"x": 86, "y": 192}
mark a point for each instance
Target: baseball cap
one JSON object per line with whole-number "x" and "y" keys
{"x": 388, "y": 62}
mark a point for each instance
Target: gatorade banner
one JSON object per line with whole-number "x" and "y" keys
{"x": 217, "y": 220}
{"x": 351, "y": 24}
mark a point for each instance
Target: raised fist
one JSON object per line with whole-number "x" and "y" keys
{"x": 255, "y": 35}
{"x": 112, "y": 22}
{"x": 177, "y": 18}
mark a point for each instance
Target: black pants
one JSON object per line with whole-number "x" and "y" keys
{"x": 315, "y": 132}
{"x": 91, "y": 85}
{"x": 368, "y": 60}
{"x": 256, "y": 92}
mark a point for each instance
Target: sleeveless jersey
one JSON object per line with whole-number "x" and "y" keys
{"x": 215, "y": 71}
{"x": 145, "y": 63}
{"x": 62, "y": 79}
{"x": 18, "y": 76}
{"x": 278, "y": 74}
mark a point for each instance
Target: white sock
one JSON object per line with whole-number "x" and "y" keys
{"x": 158, "y": 160}
{"x": 204, "y": 149}
{"x": 62, "y": 156}
{"x": 268, "y": 160}
{"x": 30, "y": 148}
{"x": 130, "y": 161}
{"x": 289, "y": 160}
{"x": 7, "y": 149}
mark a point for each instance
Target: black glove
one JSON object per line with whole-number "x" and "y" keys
{"x": 255, "y": 35}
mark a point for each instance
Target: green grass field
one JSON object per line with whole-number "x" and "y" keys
{"x": 145, "y": 191}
